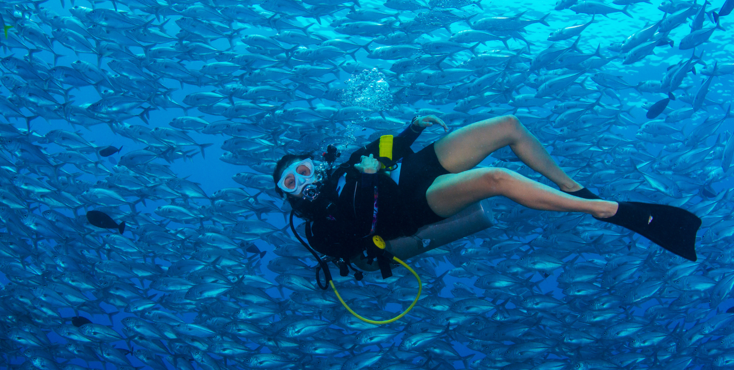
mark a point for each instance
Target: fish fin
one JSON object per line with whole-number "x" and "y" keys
{"x": 575, "y": 45}
{"x": 202, "y": 146}
{"x": 624, "y": 10}
{"x": 542, "y": 20}
{"x": 366, "y": 46}
{"x": 473, "y": 48}
{"x": 719, "y": 26}
{"x": 145, "y": 114}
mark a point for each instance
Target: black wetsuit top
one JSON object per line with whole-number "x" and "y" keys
{"x": 341, "y": 229}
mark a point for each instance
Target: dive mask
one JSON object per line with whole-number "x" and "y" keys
{"x": 300, "y": 178}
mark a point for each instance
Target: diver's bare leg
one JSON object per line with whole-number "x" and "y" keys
{"x": 451, "y": 193}
{"x": 464, "y": 148}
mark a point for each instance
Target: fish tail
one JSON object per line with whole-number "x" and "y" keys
{"x": 473, "y": 49}
{"x": 366, "y": 46}
{"x": 56, "y": 58}
{"x": 575, "y": 45}
{"x": 145, "y": 114}
{"x": 202, "y": 146}
{"x": 121, "y": 227}
{"x": 305, "y": 29}
{"x": 624, "y": 10}
{"x": 728, "y": 113}
{"x": 230, "y": 39}
{"x": 542, "y": 20}
{"x": 28, "y": 122}
{"x": 719, "y": 25}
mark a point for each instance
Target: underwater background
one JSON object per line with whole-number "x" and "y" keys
{"x": 169, "y": 116}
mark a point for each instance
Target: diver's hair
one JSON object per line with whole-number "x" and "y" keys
{"x": 300, "y": 207}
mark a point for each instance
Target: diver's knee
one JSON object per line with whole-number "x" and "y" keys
{"x": 507, "y": 129}
{"x": 512, "y": 125}
{"x": 495, "y": 179}
{"x": 512, "y": 120}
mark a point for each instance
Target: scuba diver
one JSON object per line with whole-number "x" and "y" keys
{"x": 372, "y": 194}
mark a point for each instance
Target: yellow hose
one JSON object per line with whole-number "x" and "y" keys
{"x": 420, "y": 287}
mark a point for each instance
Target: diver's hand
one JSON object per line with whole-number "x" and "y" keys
{"x": 426, "y": 121}
{"x": 368, "y": 165}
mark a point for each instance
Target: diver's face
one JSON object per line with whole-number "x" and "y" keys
{"x": 296, "y": 176}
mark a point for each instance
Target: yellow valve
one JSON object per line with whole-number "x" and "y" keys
{"x": 386, "y": 147}
{"x": 379, "y": 242}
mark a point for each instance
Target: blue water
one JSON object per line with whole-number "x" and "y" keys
{"x": 687, "y": 342}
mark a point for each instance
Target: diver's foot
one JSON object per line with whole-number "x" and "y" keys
{"x": 575, "y": 186}
{"x": 640, "y": 215}
{"x": 582, "y": 193}
{"x": 608, "y": 210}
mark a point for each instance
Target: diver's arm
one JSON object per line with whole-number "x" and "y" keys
{"x": 401, "y": 144}
{"x": 411, "y": 133}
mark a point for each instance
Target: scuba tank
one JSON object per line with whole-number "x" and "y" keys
{"x": 470, "y": 220}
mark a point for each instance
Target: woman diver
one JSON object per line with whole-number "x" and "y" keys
{"x": 360, "y": 198}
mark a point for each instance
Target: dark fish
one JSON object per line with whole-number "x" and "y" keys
{"x": 708, "y": 191}
{"x": 78, "y": 321}
{"x": 254, "y": 249}
{"x": 108, "y": 151}
{"x": 659, "y": 107}
{"x": 725, "y": 10}
{"x": 101, "y": 219}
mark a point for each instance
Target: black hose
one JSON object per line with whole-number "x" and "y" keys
{"x": 322, "y": 264}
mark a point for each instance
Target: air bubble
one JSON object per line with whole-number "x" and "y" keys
{"x": 368, "y": 89}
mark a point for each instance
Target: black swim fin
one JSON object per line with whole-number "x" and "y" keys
{"x": 583, "y": 193}
{"x": 670, "y": 227}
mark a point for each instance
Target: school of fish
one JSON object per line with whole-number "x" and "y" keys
{"x": 110, "y": 257}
